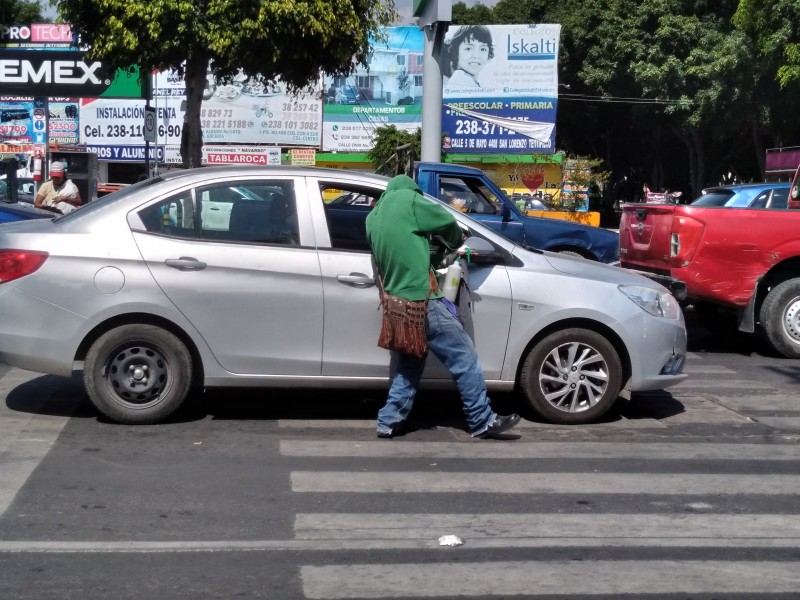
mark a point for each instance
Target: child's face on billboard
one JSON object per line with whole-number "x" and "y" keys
{"x": 472, "y": 56}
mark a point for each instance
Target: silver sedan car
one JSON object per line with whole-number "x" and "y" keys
{"x": 247, "y": 277}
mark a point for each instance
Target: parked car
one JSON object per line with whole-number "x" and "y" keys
{"x": 745, "y": 195}
{"x": 149, "y": 301}
{"x": 22, "y": 209}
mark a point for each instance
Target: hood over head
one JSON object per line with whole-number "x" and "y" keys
{"x": 401, "y": 182}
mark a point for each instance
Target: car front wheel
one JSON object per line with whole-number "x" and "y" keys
{"x": 780, "y": 318}
{"x": 138, "y": 374}
{"x": 572, "y": 376}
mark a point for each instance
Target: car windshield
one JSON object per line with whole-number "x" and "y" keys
{"x": 713, "y": 198}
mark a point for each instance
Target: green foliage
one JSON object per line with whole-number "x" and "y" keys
{"x": 480, "y": 14}
{"x": 288, "y": 39}
{"x": 579, "y": 175}
{"x": 20, "y": 11}
{"x": 384, "y": 154}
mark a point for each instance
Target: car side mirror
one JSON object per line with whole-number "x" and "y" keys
{"x": 483, "y": 251}
{"x": 505, "y": 211}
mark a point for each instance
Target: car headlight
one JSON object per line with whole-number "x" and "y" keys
{"x": 655, "y": 302}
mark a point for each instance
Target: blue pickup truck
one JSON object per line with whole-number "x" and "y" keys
{"x": 472, "y": 192}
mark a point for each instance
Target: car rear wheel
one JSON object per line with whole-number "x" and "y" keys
{"x": 780, "y": 318}
{"x": 572, "y": 376}
{"x": 138, "y": 374}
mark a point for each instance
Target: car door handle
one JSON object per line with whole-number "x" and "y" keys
{"x": 186, "y": 263}
{"x": 358, "y": 280}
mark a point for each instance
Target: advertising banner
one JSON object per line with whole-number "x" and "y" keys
{"x": 36, "y": 35}
{"x": 121, "y": 122}
{"x": 388, "y": 91}
{"x": 54, "y": 72}
{"x": 236, "y": 112}
{"x": 125, "y": 153}
{"x": 22, "y": 122}
{"x": 501, "y": 88}
{"x": 233, "y": 154}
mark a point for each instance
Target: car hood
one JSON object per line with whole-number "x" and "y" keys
{"x": 589, "y": 269}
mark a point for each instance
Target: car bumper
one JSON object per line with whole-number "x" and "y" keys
{"x": 660, "y": 364}
{"x": 34, "y": 339}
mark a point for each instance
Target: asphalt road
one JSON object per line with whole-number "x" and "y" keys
{"x": 687, "y": 493}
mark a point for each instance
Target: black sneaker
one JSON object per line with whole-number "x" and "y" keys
{"x": 398, "y": 429}
{"x": 499, "y": 425}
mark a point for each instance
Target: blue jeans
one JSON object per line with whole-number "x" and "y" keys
{"x": 453, "y": 347}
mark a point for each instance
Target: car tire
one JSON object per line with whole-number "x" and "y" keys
{"x": 572, "y": 377}
{"x": 779, "y": 318}
{"x": 138, "y": 374}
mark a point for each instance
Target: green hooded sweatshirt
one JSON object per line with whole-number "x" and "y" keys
{"x": 398, "y": 229}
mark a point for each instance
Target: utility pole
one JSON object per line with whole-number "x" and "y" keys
{"x": 434, "y": 19}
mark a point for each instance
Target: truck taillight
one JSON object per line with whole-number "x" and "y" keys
{"x": 686, "y": 234}
{"x": 19, "y": 263}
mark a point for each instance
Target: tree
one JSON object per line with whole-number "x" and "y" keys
{"x": 290, "y": 40}
{"x": 403, "y": 80}
{"x": 20, "y": 11}
{"x": 384, "y": 154}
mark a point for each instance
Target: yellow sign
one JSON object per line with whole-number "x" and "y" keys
{"x": 303, "y": 157}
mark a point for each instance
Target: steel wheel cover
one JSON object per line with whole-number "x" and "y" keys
{"x": 574, "y": 377}
{"x": 791, "y": 320}
{"x": 137, "y": 375}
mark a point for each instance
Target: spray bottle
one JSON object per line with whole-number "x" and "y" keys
{"x": 452, "y": 280}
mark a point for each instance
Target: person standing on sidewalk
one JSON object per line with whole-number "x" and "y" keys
{"x": 398, "y": 229}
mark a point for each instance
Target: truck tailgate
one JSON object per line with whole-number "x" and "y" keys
{"x": 644, "y": 236}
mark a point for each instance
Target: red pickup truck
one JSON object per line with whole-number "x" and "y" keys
{"x": 740, "y": 265}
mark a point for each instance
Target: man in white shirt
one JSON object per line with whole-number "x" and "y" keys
{"x": 59, "y": 192}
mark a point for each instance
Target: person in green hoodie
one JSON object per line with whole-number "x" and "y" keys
{"x": 398, "y": 229}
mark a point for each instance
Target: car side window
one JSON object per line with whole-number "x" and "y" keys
{"x": 780, "y": 199}
{"x": 173, "y": 216}
{"x": 346, "y": 210}
{"x": 468, "y": 195}
{"x": 761, "y": 200}
{"x": 262, "y": 212}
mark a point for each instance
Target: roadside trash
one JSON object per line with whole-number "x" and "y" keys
{"x": 450, "y": 540}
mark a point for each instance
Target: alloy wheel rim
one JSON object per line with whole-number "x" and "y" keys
{"x": 574, "y": 377}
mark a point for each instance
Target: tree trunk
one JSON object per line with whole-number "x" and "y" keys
{"x": 700, "y": 161}
{"x": 697, "y": 162}
{"x": 192, "y": 132}
{"x": 755, "y": 130}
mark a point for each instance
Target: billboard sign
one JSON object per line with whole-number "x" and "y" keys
{"x": 52, "y": 72}
{"x": 387, "y": 91}
{"x": 501, "y": 88}
{"x": 235, "y": 112}
{"x": 36, "y": 35}
{"x": 23, "y": 121}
